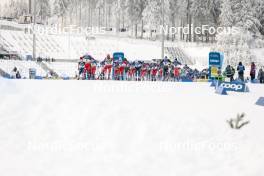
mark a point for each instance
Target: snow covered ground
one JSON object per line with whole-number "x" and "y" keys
{"x": 22, "y": 66}
{"x": 65, "y": 128}
{"x": 64, "y": 69}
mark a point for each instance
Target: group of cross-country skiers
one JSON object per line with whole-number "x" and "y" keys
{"x": 155, "y": 70}
{"x": 122, "y": 69}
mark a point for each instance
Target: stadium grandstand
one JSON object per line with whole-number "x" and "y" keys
{"x": 58, "y": 53}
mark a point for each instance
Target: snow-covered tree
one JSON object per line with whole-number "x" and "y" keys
{"x": 153, "y": 13}
{"x": 12, "y": 9}
{"x": 227, "y": 16}
{"x": 15, "y": 9}
{"x": 240, "y": 13}
{"x": 206, "y": 11}
{"x": 215, "y": 9}
{"x": 135, "y": 9}
{"x": 118, "y": 10}
{"x": 200, "y": 9}
{"x": 243, "y": 15}
{"x": 43, "y": 9}
{"x": 173, "y": 14}
{"x": 247, "y": 19}
{"x": 259, "y": 12}
{"x": 60, "y": 7}
{"x": 235, "y": 46}
{"x": 173, "y": 9}
{"x": 100, "y": 7}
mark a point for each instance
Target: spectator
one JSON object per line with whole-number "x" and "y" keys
{"x": 13, "y": 73}
{"x": 230, "y": 72}
{"x": 253, "y": 71}
{"x": 261, "y": 75}
{"x": 18, "y": 76}
{"x": 241, "y": 70}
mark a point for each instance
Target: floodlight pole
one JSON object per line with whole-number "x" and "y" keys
{"x": 34, "y": 34}
{"x": 163, "y": 33}
{"x": 29, "y": 7}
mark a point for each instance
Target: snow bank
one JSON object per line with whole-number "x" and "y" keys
{"x": 65, "y": 128}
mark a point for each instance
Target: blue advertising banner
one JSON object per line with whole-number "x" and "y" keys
{"x": 233, "y": 86}
{"x": 216, "y": 60}
{"x": 118, "y": 55}
{"x": 260, "y": 101}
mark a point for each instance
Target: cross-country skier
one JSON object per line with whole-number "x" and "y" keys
{"x": 127, "y": 68}
{"x": 138, "y": 65}
{"x": 148, "y": 72}
{"x": 143, "y": 73}
{"x": 171, "y": 72}
{"x": 116, "y": 69}
{"x": 87, "y": 69}
{"x": 93, "y": 69}
{"x": 101, "y": 69}
{"x": 108, "y": 66}
{"x": 121, "y": 71}
{"x": 81, "y": 66}
{"x": 176, "y": 62}
{"x": 160, "y": 73}
{"x": 165, "y": 65}
{"x": 176, "y": 73}
{"x": 131, "y": 72}
{"x": 154, "y": 71}
{"x": 183, "y": 73}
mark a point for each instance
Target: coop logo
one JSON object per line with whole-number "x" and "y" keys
{"x": 235, "y": 87}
